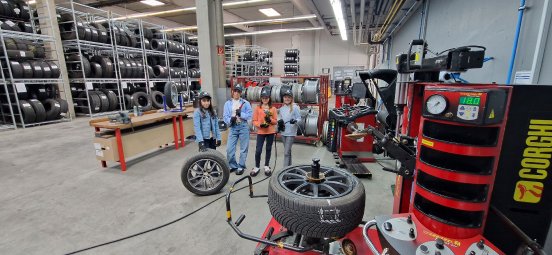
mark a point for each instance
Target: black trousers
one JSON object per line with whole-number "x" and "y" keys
{"x": 210, "y": 143}
{"x": 260, "y": 141}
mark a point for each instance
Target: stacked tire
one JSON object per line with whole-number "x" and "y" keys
{"x": 102, "y": 100}
{"x": 90, "y": 66}
{"x": 36, "y": 111}
{"x": 73, "y": 27}
{"x": 131, "y": 68}
{"x": 16, "y": 16}
{"x": 25, "y": 61}
{"x": 291, "y": 62}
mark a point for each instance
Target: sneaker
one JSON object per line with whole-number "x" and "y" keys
{"x": 233, "y": 170}
{"x": 254, "y": 172}
{"x": 267, "y": 171}
{"x": 240, "y": 171}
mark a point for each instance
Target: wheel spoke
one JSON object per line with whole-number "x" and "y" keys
{"x": 292, "y": 181}
{"x": 330, "y": 189}
{"x": 336, "y": 184}
{"x": 300, "y": 187}
{"x": 302, "y": 177}
{"x": 196, "y": 164}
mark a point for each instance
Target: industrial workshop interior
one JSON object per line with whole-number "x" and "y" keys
{"x": 276, "y": 127}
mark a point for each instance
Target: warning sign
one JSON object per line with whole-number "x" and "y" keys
{"x": 220, "y": 50}
{"x": 492, "y": 115}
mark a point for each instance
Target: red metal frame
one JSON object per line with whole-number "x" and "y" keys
{"x": 181, "y": 125}
{"x": 324, "y": 81}
{"x": 175, "y": 133}
{"x": 120, "y": 149}
{"x": 366, "y": 146}
{"x": 434, "y": 225}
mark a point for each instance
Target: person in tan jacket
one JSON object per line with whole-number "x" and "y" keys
{"x": 265, "y": 119}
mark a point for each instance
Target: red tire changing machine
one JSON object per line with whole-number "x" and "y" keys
{"x": 476, "y": 182}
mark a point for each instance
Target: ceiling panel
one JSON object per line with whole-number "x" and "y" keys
{"x": 285, "y": 8}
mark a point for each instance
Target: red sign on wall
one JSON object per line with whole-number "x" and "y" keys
{"x": 220, "y": 50}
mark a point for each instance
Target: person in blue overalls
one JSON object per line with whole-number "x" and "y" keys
{"x": 237, "y": 112}
{"x": 206, "y": 125}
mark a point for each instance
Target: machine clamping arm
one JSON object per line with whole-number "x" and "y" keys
{"x": 396, "y": 150}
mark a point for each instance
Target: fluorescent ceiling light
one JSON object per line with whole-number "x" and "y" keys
{"x": 338, "y": 13}
{"x": 270, "y": 12}
{"x": 149, "y": 14}
{"x": 31, "y": 2}
{"x": 152, "y": 2}
{"x": 249, "y": 22}
{"x": 272, "y": 31}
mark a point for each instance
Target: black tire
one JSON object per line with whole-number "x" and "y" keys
{"x": 64, "y": 106}
{"x": 75, "y": 68}
{"x": 20, "y": 54}
{"x": 171, "y": 94}
{"x": 106, "y": 66}
{"x": 55, "y": 69}
{"x": 46, "y": 70}
{"x": 219, "y": 171}
{"x": 53, "y": 109}
{"x": 320, "y": 216}
{"x": 134, "y": 67}
{"x": 37, "y": 50}
{"x": 104, "y": 101}
{"x": 128, "y": 101}
{"x": 10, "y": 44}
{"x": 27, "y": 111}
{"x": 87, "y": 32}
{"x": 27, "y": 70}
{"x": 160, "y": 71}
{"x": 142, "y": 99}
{"x": 16, "y": 69}
{"x": 96, "y": 70}
{"x": 38, "y": 73}
{"x": 102, "y": 32}
{"x": 128, "y": 67}
{"x": 150, "y": 72}
{"x": 157, "y": 99}
{"x": 25, "y": 27}
{"x": 112, "y": 97}
{"x": 24, "y": 11}
{"x": 39, "y": 110}
{"x": 158, "y": 44}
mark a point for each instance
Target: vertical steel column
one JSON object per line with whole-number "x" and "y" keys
{"x": 208, "y": 41}
{"x": 52, "y": 29}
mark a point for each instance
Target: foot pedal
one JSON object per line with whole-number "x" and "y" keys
{"x": 357, "y": 168}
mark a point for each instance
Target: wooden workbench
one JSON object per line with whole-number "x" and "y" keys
{"x": 139, "y": 141}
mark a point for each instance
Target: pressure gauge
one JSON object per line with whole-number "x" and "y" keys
{"x": 436, "y": 104}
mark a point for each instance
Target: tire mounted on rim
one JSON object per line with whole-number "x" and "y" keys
{"x": 205, "y": 173}
{"x": 330, "y": 206}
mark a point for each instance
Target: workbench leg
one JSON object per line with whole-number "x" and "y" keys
{"x": 120, "y": 149}
{"x": 181, "y": 125}
{"x": 175, "y": 133}
{"x": 104, "y": 164}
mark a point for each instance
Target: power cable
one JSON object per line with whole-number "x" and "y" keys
{"x": 166, "y": 224}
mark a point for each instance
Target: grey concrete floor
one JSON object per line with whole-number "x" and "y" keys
{"x": 55, "y": 198}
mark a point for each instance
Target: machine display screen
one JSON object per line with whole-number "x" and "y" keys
{"x": 470, "y": 100}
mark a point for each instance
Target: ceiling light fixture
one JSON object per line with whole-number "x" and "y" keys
{"x": 249, "y": 22}
{"x": 270, "y": 12}
{"x": 31, "y": 2}
{"x": 152, "y": 2}
{"x": 338, "y": 13}
{"x": 272, "y": 31}
{"x": 149, "y": 14}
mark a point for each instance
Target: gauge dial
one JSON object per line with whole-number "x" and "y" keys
{"x": 436, "y": 104}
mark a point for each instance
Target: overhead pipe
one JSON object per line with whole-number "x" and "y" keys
{"x": 516, "y": 39}
{"x": 353, "y": 18}
{"x": 541, "y": 42}
{"x": 397, "y": 5}
{"x": 361, "y": 22}
{"x": 405, "y": 16}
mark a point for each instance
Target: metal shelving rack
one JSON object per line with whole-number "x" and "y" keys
{"x": 81, "y": 47}
{"x": 13, "y": 86}
{"x": 235, "y": 66}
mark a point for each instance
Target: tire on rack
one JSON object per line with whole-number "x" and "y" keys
{"x": 38, "y": 73}
{"x": 171, "y": 94}
{"x": 103, "y": 37}
{"x": 56, "y": 72}
{"x": 328, "y": 209}
{"x": 39, "y": 110}
{"x": 141, "y": 99}
{"x": 205, "y": 173}
{"x": 94, "y": 99}
{"x": 94, "y": 32}
{"x": 76, "y": 68}
{"x": 23, "y": 10}
{"x": 158, "y": 44}
{"x": 105, "y": 64}
{"x": 160, "y": 71}
{"x": 46, "y": 70}
{"x": 128, "y": 101}
{"x": 157, "y": 99}
{"x": 53, "y": 109}
{"x": 64, "y": 107}
{"x": 27, "y": 70}
{"x": 16, "y": 69}
{"x": 27, "y": 111}
{"x": 112, "y": 97}
{"x": 104, "y": 100}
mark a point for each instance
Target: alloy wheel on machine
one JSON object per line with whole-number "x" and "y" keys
{"x": 296, "y": 180}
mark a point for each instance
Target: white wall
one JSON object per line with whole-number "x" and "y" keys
{"x": 319, "y": 46}
{"x": 489, "y": 23}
